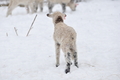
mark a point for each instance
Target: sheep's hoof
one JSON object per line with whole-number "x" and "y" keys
{"x": 57, "y": 65}
{"x": 76, "y": 64}
{"x": 67, "y": 70}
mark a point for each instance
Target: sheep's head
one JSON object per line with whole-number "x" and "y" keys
{"x": 57, "y": 17}
{"x": 72, "y": 5}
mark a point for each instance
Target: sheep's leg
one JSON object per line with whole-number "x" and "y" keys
{"x": 35, "y": 6}
{"x": 31, "y": 7}
{"x": 27, "y": 8}
{"x": 57, "y": 46}
{"x": 50, "y": 6}
{"x": 68, "y": 60}
{"x": 63, "y": 7}
{"x": 10, "y": 9}
{"x": 41, "y": 6}
{"x": 75, "y": 59}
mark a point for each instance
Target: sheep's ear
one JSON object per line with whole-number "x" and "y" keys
{"x": 76, "y": 5}
{"x": 49, "y": 15}
{"x": 65, "y": 15}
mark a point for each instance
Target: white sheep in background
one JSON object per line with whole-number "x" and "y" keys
{"x": 14, "y": 3}
{"x": 64, "y": 3}
{"x": 32, "y": 4}
{"x": 65, "y": 38}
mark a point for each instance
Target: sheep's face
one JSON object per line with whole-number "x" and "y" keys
{"x": 57, "y": 17}
{"x": 72, "y": 6}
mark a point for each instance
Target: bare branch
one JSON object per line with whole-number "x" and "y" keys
{"x": 31, "y": 26}
{"x": 7, "y": 34}
{"x": 16, "y": 31}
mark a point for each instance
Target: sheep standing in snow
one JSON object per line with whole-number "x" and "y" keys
{"x": 64, "y": 3}
{"x": 14, "y": 3}
{"x": 32, "y": 4}
{"x": 65, "y": 38}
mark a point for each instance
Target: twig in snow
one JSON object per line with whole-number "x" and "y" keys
{"x": 7, "y": 34}
{"x": 16, "y": 31}
{"x": 31, "y": 26}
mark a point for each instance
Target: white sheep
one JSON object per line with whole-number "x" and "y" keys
{"x": 14, "y": 3}
{"x": 64, "y": 3}
{"x": 65, "y": 38}
{"x": 32, "y": 4}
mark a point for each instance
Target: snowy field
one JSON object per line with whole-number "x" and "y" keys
{"x": 97, "y": 24}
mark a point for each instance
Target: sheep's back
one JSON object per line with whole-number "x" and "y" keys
{"x": 22, "y": 1}
{"x": 64, "y": 33}
{"x": 59, "y": 1}
{"x": 39, "y": 0}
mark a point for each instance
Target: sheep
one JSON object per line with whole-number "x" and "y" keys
{"x": 65, "y": 39}
{"x": 14, "y": 3}
{"x": 64, "y": 3}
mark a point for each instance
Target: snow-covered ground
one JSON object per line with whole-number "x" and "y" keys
{"x": 97, "y": 24}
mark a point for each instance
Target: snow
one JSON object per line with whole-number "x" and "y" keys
{"x": 97, "y": 24}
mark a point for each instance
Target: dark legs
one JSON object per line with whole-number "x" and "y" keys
{"x": 75, "y": 59}
{"x": 68, "y": 60}
{"x": 41, "y": 6}
{"x": 38, "y": 5}
{"x": 68, "y": 56}
{"x": 50, "y": 6}
{"x": 63, "y": 7}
